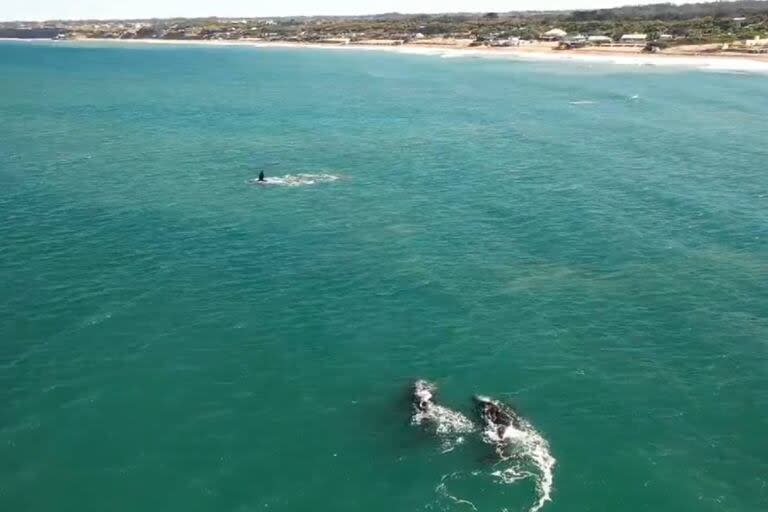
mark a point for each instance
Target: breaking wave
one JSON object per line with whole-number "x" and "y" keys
{"x": 295, "y": 180}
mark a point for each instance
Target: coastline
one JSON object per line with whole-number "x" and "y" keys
{"x": 536, "y": 52}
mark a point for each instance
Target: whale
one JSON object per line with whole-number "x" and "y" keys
{"x": 501, "y": 424}
{"x": 422, "y": 395}
{"x": 429, "y": 414}
{"x": 521, "y": 452}
{"x": 518, "y": 445}
{"x": 496, "y": 414}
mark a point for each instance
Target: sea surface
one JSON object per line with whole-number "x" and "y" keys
{"x": 586, "y": 242}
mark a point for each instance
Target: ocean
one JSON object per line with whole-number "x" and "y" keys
{"x": 584, "y": 242}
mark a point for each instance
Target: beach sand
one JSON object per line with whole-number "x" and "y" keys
{"x": 688, "y": 56}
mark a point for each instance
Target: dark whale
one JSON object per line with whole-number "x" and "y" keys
{"x": 496, "y": 414}
{"x": 422, "y": 395}
{"x": 437, "y": 418}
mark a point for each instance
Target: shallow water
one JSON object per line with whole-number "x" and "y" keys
{"x": 587, "y": 242}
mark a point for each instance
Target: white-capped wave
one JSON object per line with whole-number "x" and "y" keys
{"x": 295, "y": 180}
{"x": 582, "y": 102}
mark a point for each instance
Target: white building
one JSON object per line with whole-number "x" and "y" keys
{"x": 336, "y": 40}
{"x": 599, "y": 39}
{"x": 512, "y": 41}
{"x": 634, "y": 38}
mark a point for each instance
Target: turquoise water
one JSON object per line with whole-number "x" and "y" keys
{"x": 586, "y": 242}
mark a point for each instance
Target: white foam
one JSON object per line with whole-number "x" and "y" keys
{"x": 424, "y": 391}
{"x": 448, "y": 421}
{"x": 712, "y": 63}
{"x": 445, "y": 422}
{"x": 295, "y": 180}
{"x": 717, "y": 63}
{"x": 582, "y": 102}
{"x": 442, "y": 490}
{"x": 522, "y": 448}
{"x": 523, "y": 452}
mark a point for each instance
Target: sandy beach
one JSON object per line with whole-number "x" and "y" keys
{"x": 689, "y": 57}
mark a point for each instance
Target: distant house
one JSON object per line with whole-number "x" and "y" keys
{"x": 634, "y": 38}
{"x": 598, "y": 40}
{"x": 570, "y": 42}
{"x": 336, "y": 40}
{"x": 666, "y": 37}
{"x": 512, "y": 41}
{"x": 739, "y": 21}
{"x": 555, "y": 34}
{"x": 381, "y": 42}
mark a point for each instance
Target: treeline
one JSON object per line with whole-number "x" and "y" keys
{"x": 690, "y": 23}
{"x": 670, "y": 12}
{"x": 36, "y": 33}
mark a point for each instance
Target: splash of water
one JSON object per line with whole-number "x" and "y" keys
{"x": 523, "y": 452}
{"x": 445, "y": 422}
{"x": 295, "y": 180}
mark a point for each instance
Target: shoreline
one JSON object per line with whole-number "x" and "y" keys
{"x": 541, "y": 53}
